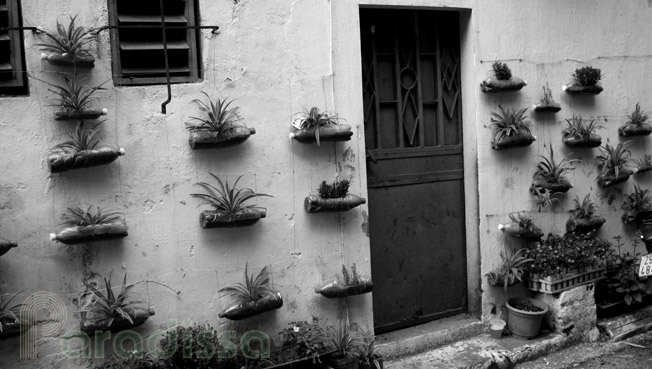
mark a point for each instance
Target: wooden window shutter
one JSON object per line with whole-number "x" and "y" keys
{"x": 13, "y": 79}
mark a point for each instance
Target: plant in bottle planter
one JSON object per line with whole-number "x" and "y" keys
{"x": 544, "y": 199}
{"x": 5, "y": 246}
{"x": 636, "y": 124}
{"x": 218, "y": 128}
{"x": 502, "y": 81}
{"x": 74, "y": 100}
{"x": 510, "y": 129}
{"x": 368, "y": 355}
{"x": 613, "y": 164}
{"x": 551, "y": 175}
{"x": 585, "y": 81}
{"x": 521, "y": 226}
{"x": 583, "y": 218}
{"x": 110, "y": 312}
{"x": 547, "y": 103}
{"x": 349, "y": 284}
{"x": 82, "y": 226}
{"x": 314, "y": 126}
{"x": 83, "y": 150}
{"x": 9, "y": 315}
{"x": 332, "y": 197}
{"x": 346, "y": 343}
{"x": 579, "y": 133}
{"x": 511, "y": 271}
{"x": 644, "y": 164}
{"x": 635, "y": 202}
{"x": 253, "y": 297}
{"x": 68, "y": 46}
{"x": 229, "y": 204}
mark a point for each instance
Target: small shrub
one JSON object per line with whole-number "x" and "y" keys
{"x": 502, "y": 71}
{"x": 338, "y": 189}
{"x": 587, "y": 76}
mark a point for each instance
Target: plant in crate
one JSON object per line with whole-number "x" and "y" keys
{"x": 229, "y": 205}
{"x": 521, "y": 226}
{"x": 106, "y": 311}
{"x": 83, "y": 150}
{"x": 644, "y": 164}
{"x": 190, "y": 346}
{"x": 636, "y": 124}
{"x": 511, "y": 270}
{"x": 547, "y": 103}
{"x": 332, "y": 197}
{"x": 585, "y": 81}
{"x": 510, "y": 129}
{"x": 613, "y": 164}
{"x": 551, "y": 175}
{"x": 313, "y": 125}
{"x": 218, "y": 127}
{"x": 68, "y": 46}
{"x": 579, "y": 133}
{"x": 9, "y": 315}
{"x": 303, "y": 342}
{"x": 74, "y": 100}
{"x": 346, "y": 342}
{"x": 583, "y": 218}
{"x": 82, "y": 226}
{"x": 349, "y": 284}
{"x": 253, "y": 297}
{"x": 502, "y": 81}
{"x": 131, "y": 360}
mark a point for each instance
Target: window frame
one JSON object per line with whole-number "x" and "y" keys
{"x": 18, "y": 84}
{"x": 194, "y": 52}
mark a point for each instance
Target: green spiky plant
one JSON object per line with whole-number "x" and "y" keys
{"x": 508, "y": 123}
{"x": 587, "y": 76}
{"x": 637, "y": 117}
{"x": 343, "y": 339}
{"x": 253, "y": 289}
{"x": 73, "y": 96}
{"x": 218, "y": 116}
{"x": 338, "y": 189}
{"x": 578, "y": 128}
{"x": 523, "y": 220}
{"x": 227, "y": 198}
{"x": 82, "y": 140}
{"x": 72, "y": 40}
{"x": 9, "y": 313}
{"x": 613, "y": 160}
{"x": 552, "y": 171}
{"x": 105, "y": 308}
{"x": 512, "y": 268}
{"x": 584, "y": 209}
{"x": 79, "y": 217}
{"x": 368, "y": 353}
{"x": 544, "y": 199}
{"x": 313, "y": 119}
{"x": 639, "y": 200}
{"x": 501, "y": 71}
{"x": 547, "y": 96}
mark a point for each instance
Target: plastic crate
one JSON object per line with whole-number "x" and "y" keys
{"x": 553, "y": 286}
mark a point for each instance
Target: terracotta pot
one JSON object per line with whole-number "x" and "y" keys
{"x": 140, "y": 316}
{"x": 525, "y": 324}
{"x": 519, "y": 139}
{"x": 496, "y": 85}
{"x": 574, "y": 89}
{"x": 5, "y": 246}
{"x": 542, "y": 108}
{"x": 333, "y": 132}
{"x": 66, "y": 60}
{"x": 92, "y": 233}
{"x": 628, "y": 129}
{"x": 62, "y": 160}
{"x": 79, "y": 114}
{"x": 201, "y": 139}
{"x": 348, "y": 362}
{"x": 317, "y": 204}
{"x": 221, "y": 219}
{"x": 334, "y": 288}
{"x": 241, "y": 310}
{"x": 573, "y": 141}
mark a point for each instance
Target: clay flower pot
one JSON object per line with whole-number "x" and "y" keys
{"x": 79, "y": 114}
{"x": 60, "y": 160}
{"x": 611, "y": 180}
{"x": 533, "y": 233}
{"x": 241, "y": 310}
{"x": 582, "y": 225}
{"x": 221, "y": 219}
{"x": 575, "y": 89}
{"x": 318, "y": 204}
{"x": 92, "y": 233}
{"x": 335, "y": 288}
{"x": 67, "y": 60}
{"x": 522, "y": 322}
{"x": 140, "y": 316}
{"x": 495, "y": 85}
{"x": 203, "y": 139}
{"x": 628, "y": 130}
{"x": 544, "y": 108}
{"x": 5, "y": 246}
{"x": 331, "y": 132}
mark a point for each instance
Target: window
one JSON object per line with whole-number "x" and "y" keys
{"x": 137, "y": 45}
{"x": 13, "y": 79}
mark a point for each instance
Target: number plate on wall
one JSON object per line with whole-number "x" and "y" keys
{"x": 646, "y": 266}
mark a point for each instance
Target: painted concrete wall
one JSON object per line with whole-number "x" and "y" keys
{"x": 277, "y": 57}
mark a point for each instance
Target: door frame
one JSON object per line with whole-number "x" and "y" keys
{"x": 347, "y": 79}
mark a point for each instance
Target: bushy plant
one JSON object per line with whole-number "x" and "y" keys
{"x": 578, "y": 128}
{"x": 253, "y": 288}
{"x": 74, "y": 96}
{"x": 134, "y": 360}
{"x": 613, "y": 160}
{"x": 512, "y": 268}
{"x": 344, "y": 339}
{"x": 104, "y": 308}
{"x": 73, "y": 40}
{"x": 637, "y": 117}
{"x": 338, "y": 189}
{"x": 501, "y": 71}
{"x": 587, "y": 76}
{"x": 639, "y": 200}
{"x": 508, "y": 123}
{"x": 584, "y": 209}
{"x": 552, "y": 171}
{"x": 77, "y": 216}
{"x": 219, "y": 118}
{"x": 82, "y": 140}
{"x": 313, "y": 119}
{"x": 191, "y": 347}
{"x": 226, "y": 198}
{"x": 301, "y": 340}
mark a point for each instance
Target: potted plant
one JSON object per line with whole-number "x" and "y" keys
{"x": 315, "y": 126}
{"x": 68, "y": 46}
{"x": 583, "y": 218}
{"x": 635, "y": 202}
{"x": 9, "y": 315}
{"x": 503, "y": 80}
{"x": 332, "y": 197}
{"x": 578, "y": 133}
{"x": 521, "y": 226}
{"x": 547, "y": 103}
{"x": 585, "y": 81}
{"x": 544, "y": 199}
{"x": 86, "y": 226}
{"x": 83, "y": 150}
{"x": 368, "y": 355}
{"x": 613, "y": 164}
{"x": 510, "y": 129}
{"x": 552, "y": 175}
{"x": 5, "y": 246}
{"x": 349, "y": 285}
{"x": 346, "y": 343}
{"x": 229, "y": 208}
{"x": 304, "y": 345}
{"x": 218, "y": 128}
{"x": 511, "y": 271}
{"x": 74, "y": 100}
{"x": 636, "y": 124}
{"x": 644, "y": 164}
{"x": 524, "y": 316}
{"x": 253, "y": 297}
{"x": 110, "y": 312}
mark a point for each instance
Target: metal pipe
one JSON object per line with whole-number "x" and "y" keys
{"x": 167, "y": 63}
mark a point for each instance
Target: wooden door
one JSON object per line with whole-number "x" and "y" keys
{"x": 413, "y": 133}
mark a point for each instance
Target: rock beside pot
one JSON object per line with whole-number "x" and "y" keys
{"x": 202, "y": 139}
{"x": 575, "y": 89}
{"x": 241, "y": 310}
{"x": 60, "y": 160}
{"x": 318, "y": 204}
{"x": 222, "y": 219}
{"x": 496, "y": 85}
{"x": 67, "y": 60}
{"x": 5, "y": 246}
{"x": 333, "y": 132}
{"x": 335, "y": 288}
{"x": 139, "y": 316}
{"x": 79, "y": 114}
{"x": 90, "y": 233}
{"x": 525, "y": 316}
